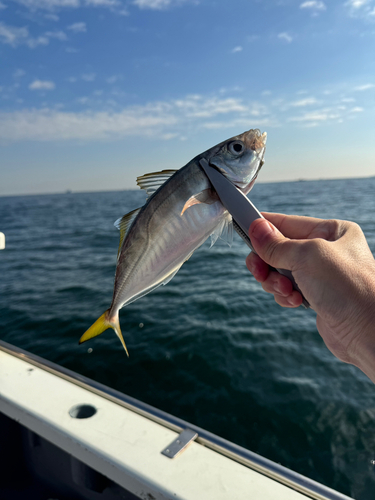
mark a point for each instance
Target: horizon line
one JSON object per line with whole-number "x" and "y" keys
{"x": 70, "y": 191}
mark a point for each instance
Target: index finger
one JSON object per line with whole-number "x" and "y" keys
{"x": 302, "y": 228}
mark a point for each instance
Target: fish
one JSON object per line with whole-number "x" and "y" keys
{"x": 181, "y": 212}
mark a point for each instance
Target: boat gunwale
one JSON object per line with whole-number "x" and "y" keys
{"x": 273, "y": 470}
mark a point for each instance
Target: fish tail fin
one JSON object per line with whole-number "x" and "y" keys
{"x": 115, "y": 324}
{"x": 102, "y": 324}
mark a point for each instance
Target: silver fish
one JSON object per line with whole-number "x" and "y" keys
{"x": 181, "y": 212}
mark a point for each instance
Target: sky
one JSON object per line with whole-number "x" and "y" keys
{"x": 94, "y": 93}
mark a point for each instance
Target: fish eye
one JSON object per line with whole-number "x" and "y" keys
{"x": 236, "y": 147}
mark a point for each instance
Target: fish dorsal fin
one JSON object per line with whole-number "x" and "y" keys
{"x": 224, "y": 230}
{"x": 152, "y": 181}
{"x": 124, "y": 223}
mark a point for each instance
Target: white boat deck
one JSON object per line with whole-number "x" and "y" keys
{"x": 123, "y": 445}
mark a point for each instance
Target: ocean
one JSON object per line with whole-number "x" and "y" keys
{"x": 209, "y": 347}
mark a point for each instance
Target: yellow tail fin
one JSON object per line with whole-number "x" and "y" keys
{"x": 102, "y": 324}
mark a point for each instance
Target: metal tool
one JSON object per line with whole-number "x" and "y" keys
{"x": 242, "y": 211}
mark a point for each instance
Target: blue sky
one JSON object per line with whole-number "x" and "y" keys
{"x": 94, "y": 93}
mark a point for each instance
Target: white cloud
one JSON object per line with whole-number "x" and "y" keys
{"x": 230, "y": 90}
{"x": 357, "y": 4}
{"x": 366, "y": 86}
{"x": 14, "y": 36}
{"x": 88, "y": 77}
{"x": 315, "y": 116}
{"x": 313, "y": 5}
{"x": 159, "y": 119}
{"x": 195, "y": 106}
{"x": 59, "y": 35}
{"x": 308, "y": 101}
{"x": 51, "y": 17}
{"x": 46, "y": 124}
{"x": 101, "y": 3}
{"x": 42, "y": 85}
{"x": 328, "y": 115}
{"x": 152, "y": 4}
{"x": 244, "y": 123}
{"x": 176, "y": 118}
{"x": 54, "y": 5}
{"x": 361, "y": 9}
{"x": 168, "y": 137}
{"x": 35, "y": 42}
{"x": 237, "y": 49}
{"x": 160, "y": 4}
{"x": 19, "y": 73}
{"x": 285, "y": 36}
{"x": 78, "y": 27}
{"x": 112, "y": 79}
{"x": 50, "y": 5}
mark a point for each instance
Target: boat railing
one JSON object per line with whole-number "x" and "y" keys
{"x": 231, "y": 450}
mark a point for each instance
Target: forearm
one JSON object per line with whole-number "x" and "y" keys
{"x": 362, "y": 349}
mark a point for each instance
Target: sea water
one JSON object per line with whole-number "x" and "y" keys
{"x": 210, "y": 347}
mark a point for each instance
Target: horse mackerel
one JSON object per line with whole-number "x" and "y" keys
{"x": 181, "y": 212}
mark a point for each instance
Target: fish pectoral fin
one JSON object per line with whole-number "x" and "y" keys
{"x": 224, "y": 230}
{"x": 101, "y": 325}
{"x": 207, "y": 196}
{"x": 124, "y": 223}
{"x": 152, "y": 181}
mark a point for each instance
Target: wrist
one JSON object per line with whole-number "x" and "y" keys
{"x": 361, "y": 351}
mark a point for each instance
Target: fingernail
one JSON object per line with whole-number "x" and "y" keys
{"x": 261, "y": 231}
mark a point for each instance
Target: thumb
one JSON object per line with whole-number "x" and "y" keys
{"x": 272, "y": 246}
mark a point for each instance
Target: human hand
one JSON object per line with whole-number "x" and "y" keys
{"x": 335, "y": 270}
